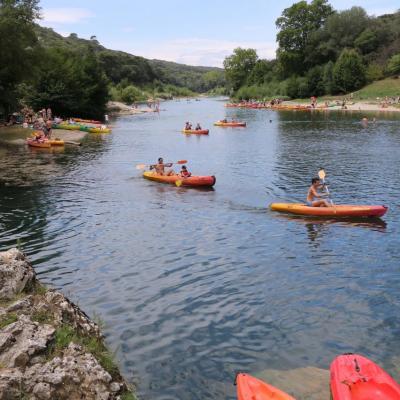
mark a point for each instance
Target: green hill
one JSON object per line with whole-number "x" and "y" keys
{"x": 387, "y": 87}
{"x": 120, "y": 66}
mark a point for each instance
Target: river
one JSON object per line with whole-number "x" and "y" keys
{"x": 195, "y": 285}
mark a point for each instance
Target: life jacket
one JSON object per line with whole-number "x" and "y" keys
{"x": 186, "y": 174}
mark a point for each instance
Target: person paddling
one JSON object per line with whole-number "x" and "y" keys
{"x": 314, "y": 197}
{"x": 160, "y": 168}
{"x": 198, "y": 127}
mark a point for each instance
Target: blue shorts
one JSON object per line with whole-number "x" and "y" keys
{"x": 309, "y": 203}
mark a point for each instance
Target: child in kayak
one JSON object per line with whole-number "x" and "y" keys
{"x": 314, "y": 197}
{"x": 198, "y": 127}
{"x": 160, "y": 168}
{"x": 184, "y": 172}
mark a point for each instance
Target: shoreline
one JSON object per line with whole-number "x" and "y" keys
{"x": 49, "y": 348}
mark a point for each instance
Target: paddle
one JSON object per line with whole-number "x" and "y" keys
{"x": 143, "y": 166}
{"x": 321, "y": 175}
{"x": 74, "y": 143}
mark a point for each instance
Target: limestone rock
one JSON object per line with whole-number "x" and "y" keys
{"x": 69, "y": 376}
{"x": 22, "y": 340}
{"x": 10, "y": 383}
{"x": 16, "y": 273}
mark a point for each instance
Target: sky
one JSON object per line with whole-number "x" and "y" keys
{"x": 194, "y": 32}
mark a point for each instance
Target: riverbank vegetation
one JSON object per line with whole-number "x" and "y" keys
{"x": 321, "y": 52}
{"x": 75, "y": 76}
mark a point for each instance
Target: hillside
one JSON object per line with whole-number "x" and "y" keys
{"x": 120, "y": 66}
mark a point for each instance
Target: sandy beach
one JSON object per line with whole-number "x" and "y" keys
{"x": 351, "y": 106}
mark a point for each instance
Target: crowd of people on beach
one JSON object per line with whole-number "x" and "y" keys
{"x": 41, "y": 121}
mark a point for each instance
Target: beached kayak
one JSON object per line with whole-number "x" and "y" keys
{"x": 193, "y": 181}
{"x": 195, "y": 131}
{"x": 250, "y": 388}
{"x": 231, "y": 124}
{"x": 88, "y": 121}
{"x": 335, "y": 211}
{"x": 354, "y": 377}
{"x": 42, "y": 143}
{"x": 56, "y": 142}
{"x": 99, "y": 130}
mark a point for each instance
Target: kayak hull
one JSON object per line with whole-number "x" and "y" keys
{"x": 196, "y": 132}
{"x": 56, "y": 142}
{"x": 35, "y": 143}
{"x": 192, "y": 181}
{"x": 230, "y": 124}
{"x": 354, "y": 377}
{"x": 250, "y": 388}
{"x": 334, "y": 211}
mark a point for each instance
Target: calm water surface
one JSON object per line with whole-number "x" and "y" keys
{"x": 195, "y": 285}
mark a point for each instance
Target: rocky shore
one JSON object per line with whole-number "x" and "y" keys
{"x": 49, "y": 348}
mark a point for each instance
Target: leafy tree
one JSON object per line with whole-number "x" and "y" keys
{"x": 131, "y": 94}
{"x": 394, "y": 65}
{"x": 349, "y": 71}
{"x": 263, "y": 71}
{"x": 374, "y": 72}
{"x": 315, "y": 81}
{"x": 71, "y": 83}
{"x": 295, "y": 26}
{"x": 239, "y": 65}
{"x": 18, "y": 46}
{"x": 328, "y": 80}
{"x": 367, "y": 41}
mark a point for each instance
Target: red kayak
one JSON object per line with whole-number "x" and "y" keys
{"x": 250, "y": 388}
{"x": 354, "y": 377}
{"x": 195, "y": 131}
{"x": 193, "y": 181}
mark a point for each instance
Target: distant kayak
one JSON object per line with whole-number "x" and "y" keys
{"x": 194, "y": 181}
{"x": 354, "y": 377}
{"x": 44, "y": 144}
{"x": 195, "y": 131}
{"x": 231, "y": 124}
{"x": 250, "y": 388}
{"x": 334, "y": 211}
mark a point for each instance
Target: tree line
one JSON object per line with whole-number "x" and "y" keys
{"x": 320, "y": 51}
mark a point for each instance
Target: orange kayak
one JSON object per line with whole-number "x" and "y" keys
{"x": 193, "y": 181}
{"x": 196, "y": 131}
{"x": 354, "y": 377}
{"x": 41, "y": 144}
{"x": 334, "y": 211}
{"x": 231, "y": 124}
{"x": 250, "y": 388}
{"x": 88, "y": 121}
{"x": 56, "y": 142}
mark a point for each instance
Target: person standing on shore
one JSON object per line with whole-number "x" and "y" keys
{"x": 47, "y": 127}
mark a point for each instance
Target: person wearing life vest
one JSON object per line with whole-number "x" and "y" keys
{"x": 184, "y": 172}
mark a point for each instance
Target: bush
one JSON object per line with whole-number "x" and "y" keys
{"x": 373, "y": 73}
{"x": 349, "y": 71}
{"x": 131, "y": 93}
{"x": 393, "y": 66}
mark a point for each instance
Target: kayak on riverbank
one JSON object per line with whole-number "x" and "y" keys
{"x": 354, "y": 377}
{"x": 83, "y": 128}
{"x": 192, "y": 181}
{"x": 341, "y": 210}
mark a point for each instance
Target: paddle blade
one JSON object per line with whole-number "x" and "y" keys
{"x": 178, "y": 183}
{"x": 141, "y": 166}
{"x": 321, "y": 174}
{"x": 181, "y": 162}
